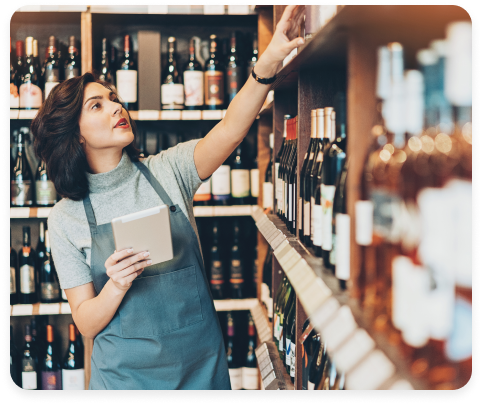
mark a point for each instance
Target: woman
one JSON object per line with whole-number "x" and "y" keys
{"x": 154, "y": 327}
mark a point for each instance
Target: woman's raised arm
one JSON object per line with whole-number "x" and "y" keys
{"x": 220, "y": 142}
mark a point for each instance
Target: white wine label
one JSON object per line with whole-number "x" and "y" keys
{"x": 13, "y": 281}
{"x": 250, "y": 378}
{"x": 288, "y": 352}
{"x": 193, "y": 88}
{"x": 73, "y": 379}
{"x": 21, "y": 192}
{"x": 316, "y": 217}
{"x": 48, "y": 88}
{"x": 254, "y": 182}
{"x": 29, "y": 380}
{"x": 30, "y": 96}
{"x": 27, "y": 279}
{"x": 293, "y": 359}
{"x": 240, "y": 183}
{"x": 290, "y": 201}
{"x": 204, "y": 188}
{"x": 364, "y": 223}
{"x": 221, "y": 181}
{"x": 14, "y": 98}
{"x": 312, "y": 155}
{"x": 267, "y": 195}
{"x": 126, "y": 81}
{"x": 280, "y": 334}
{"x": 327, "y": 195}
{"x": 342, "y": 253}
{"x": 306, "y": 219}
{"x": 172, "y": 95}
{"x": 45, "y": 192}
{"x": 236, "y": 377}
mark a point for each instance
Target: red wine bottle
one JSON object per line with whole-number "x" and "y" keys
{"x": 232, "y": 354}
{"x": 28, "y": 365}
{"x": 13, "y": 274}
{"x": 236, "y": 280}
{"x": 106, "y": 73}
{"x": 217, "y": 269}
{"x": 234, "y": 72}
{"x": 49, "y": 283}
{"x": 250, "y": 374}
{"x": 51, "y": 75}
{"x": 72, "y": 62}
{"x": 30, "y": 81}
{"x": 50, "y": 364}
{"x": 73, "y": 364}
{"x": 26, "y": 265}
{"x": 21, "y": 179}
{"x": 214, "y": 78}
{"x": 193, "y": 81}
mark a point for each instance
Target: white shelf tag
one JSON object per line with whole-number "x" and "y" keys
{"x": 269, "y": 379}
{"x": 27, "y": 114}
{"x": 217, "y": 9}
{"x": 203, "y": 211}
{"x": 277, "y": 241}
{"x": 371, "y": 373}
{"x": 287, "y": 257}
{"x": 170, "y": 115}
{"x": 22, "y": 309}
{"x": 339, "y": 328}
{"x": 148, "y": 115}
{"x": 65, "y": 308}
{"x": 313, "y": 294}
{"x": 19, "y": 212}
{"x": 268, "y": 369}
{"x": 212, "y": 114}
{"x": 43, "y": 212}
{"x": 282, "y": 249}
{"x": 324, "y": 313}
{"x": 191, "y": 115}
{"x": 353, "y": 350}
{"x": 49, "y": 309}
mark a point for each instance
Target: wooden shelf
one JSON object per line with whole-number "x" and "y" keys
{"x": 268, "y": 109}
{"x": 272, "y": 370}
{"x": 235, "y": 305}
{"x": 263, "y": 325}
{"x": 171, "y": 10}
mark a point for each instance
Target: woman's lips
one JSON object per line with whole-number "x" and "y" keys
{"x": 122, "y": 123}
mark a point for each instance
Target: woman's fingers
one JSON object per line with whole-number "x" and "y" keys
{"x": 127, "y": 272}
{"x": 116, "y": 256}
{"x": 123, "y": 264}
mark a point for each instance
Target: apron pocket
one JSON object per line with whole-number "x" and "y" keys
{"x": 161, "y": 304}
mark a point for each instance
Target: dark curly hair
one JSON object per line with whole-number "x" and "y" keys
{"x": 57, "y": 136}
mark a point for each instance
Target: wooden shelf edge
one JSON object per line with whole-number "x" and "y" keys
{"x": 261, "y": 322}
{"x": 235, "y": 305}
{"x": 272, "y": 369}
{"x": 58, "y": 308}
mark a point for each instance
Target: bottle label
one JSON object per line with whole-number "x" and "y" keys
{"x": 236, "y": 377}
{"x": 51, "y": 380}
{"x": 221, "y": 184}
{"x": 217, "y": 276}
{"x": 29, "y": 380}
{"x": 71, "y": 72}
{"x": 214, "y": 86}
{"x": 327, "y": 195}
{"x": 290, "y": 202}
{"x": 51, "y": 75}
{"x": 126, "y": 81}
{"x": 234, "y": 81}
{"x": 312, "y": 222}
{"x": 240, "y": 183}
{"x": 48, "y": 88}
{"x": 250, "y": 378}
{"x": 50, "y": 291}
{"x": 276, "y": 179}
{"x": 203, "y": 193}
{"x": 13, "y": 281}
{"x": 386, "y": 209}
{"x": 14, "y": 98}
{"x": 21, "y": 192}
{"x": 342, "y": 248}
{"x": 285, "y": 196}
{"x": 293, "y": 359}
{"x": 30, "y": 96}
{"x": 236, "y": 273}
{"x": 280, "y": 343}
{"x": 364, "y": 223}
{"x": 311, "y": 386}
{"x": 27, "y": 279}
{"x": 254, "y": 182}
{"x": 288, "y": 352}
{"x": 73, "y": 379}
{"x": 45, "y": 192}
{"x": 267, "y": 195}
{"x": 193, "y": 88}
{"x": 172, "y": 96}
{"x": 316, "y": 217}
{"x": 306, "y": 219}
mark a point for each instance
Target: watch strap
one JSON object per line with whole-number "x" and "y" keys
{"x": 263, "y": 80}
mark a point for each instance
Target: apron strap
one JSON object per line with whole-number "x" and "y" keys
{"x": 90, "y": 214}
{"x": 155, "y": 185}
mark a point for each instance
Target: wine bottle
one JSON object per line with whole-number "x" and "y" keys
{"x": 203, "y": 193}
{"x": 172, "y": 90}
{"x": 50, "y": 364}
{"x": 254, "y": 56}
{"x": 254, "y": 181}
{"x": 266, "y": 284}
{"x": 51, "y": 67}
{"x": 49, "y": 283}
{"x": 240, "y": 187}
{"x": 288, "y": 327}
{"x": 193, "y": 81}
{"x": 28, "y": 365}
{"x": 14, "y": 79}
{"x": 22, "y": 189}
{"x": 13, "y": 274}
{"x": 277, "y": 165}
{"x": 236, "y": 280}
{"x": 126, "y": 77}
{"x": 26, "y": 264}
{"x": 232, "y": 353}
{"x": 72, "y": 62}
{"x": 221, "y": 184}
{"x": 40, "y": 256}
{"x": 14, "y": 360}
{"x": 214, "y": 78}
{"x": 307, "y": 353}
{"x": 268, "y": 187}
{"x": 234, "y": 72}
{"x": 285, "y": 326}
{"x": 20, "y": 56}
{"x": 250, "y": 373}
{"x": 105, "y": 69}
{"x": 286, "y": 300}
{"x": 46, "y": 195}
{"x": 29, "y": 90}
{"x": 80, "y": 346}
{"x": 217, "y": 269}
{"x": 36, "y": 60}
{"x": 317, "y": 364}
{"x": 280, "y": 294}
{"x": 73, "y": 364}
{"x": 293, "y": 348}
{"x": 291, "y": 179}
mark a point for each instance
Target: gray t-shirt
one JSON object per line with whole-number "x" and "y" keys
{"x": 121, "y": 191}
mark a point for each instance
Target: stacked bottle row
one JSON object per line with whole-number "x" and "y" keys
{"x": 39, "y": 364}
{"x": 33, "y": 277}
{"x": 414, "y": 219}
{"x": 240, "y": 342}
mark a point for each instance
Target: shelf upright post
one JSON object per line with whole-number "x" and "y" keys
{"x": 86, "y": 40}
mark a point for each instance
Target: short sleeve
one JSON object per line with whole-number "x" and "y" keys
{"x": 70, "y": 263}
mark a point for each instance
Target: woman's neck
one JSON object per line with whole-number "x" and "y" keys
{"x": 102, "y": 161}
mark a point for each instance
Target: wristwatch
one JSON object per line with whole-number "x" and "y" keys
{"x": 262, "y": 80}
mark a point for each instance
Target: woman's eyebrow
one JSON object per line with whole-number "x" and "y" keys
{"x": 98, "y": 97}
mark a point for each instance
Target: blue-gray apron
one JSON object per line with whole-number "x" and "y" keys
{"x": 166, "y": 333}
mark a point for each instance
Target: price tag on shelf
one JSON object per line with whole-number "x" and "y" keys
{"x": 282, "y": 249}
{"x": 14, "y": 113}
{"x": 372, "y": 372}
{"x": 277, "y": 241}
{"x": 261, "y": 223}
{"x": 65, "y": 308}
{"x": 283, "y": 260}
{"x": 269, "y": 379}
{"x": 19, "y": 212}
{"x": 323, "y": 314}
{"x": 292, "y": 262}
{"x": 170, "y": 115}
{"x": 22, "y": 310}
{"x": 193, "y": 115}
{"x": 148, "y": 115}
{"x": 257, "y": 214}
{"x": 262, "y": 348}
{"x": 217, "y": 9}
{"x": 264, "y": 363}
{"x": 300, "y": 272}
{"x": 212, "y": 114}
{"x": 162, "y": 9}
{"x": 273, "y": 236}
{"x": 353, "y": 350}
{"x": 49, "y": 309}
{"x": 268, "y": 369}
{"x": 43, "y": 212}
{"x": 27, "y": 114}
{"x": 238, "y": 9}
{"x": 401, "y": 385}
{"x": 200, "y": 211}
{"x": 339, "y": 328}
{"x": 270, "y": 231}
{"x": 314, "y": 294}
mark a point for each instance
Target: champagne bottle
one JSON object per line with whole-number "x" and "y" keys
{"x": 193, "y": 81}
{"x": 26, "y": 264}
{"x": 29, "y": 90}
{"x": 217, "y": 269}
{"x": 126, "y": 77}
{"x": 72, "y": 62}
{"x": 291, "y": 179}
{"x": 250, "y": 373}
{"x": 268, "y": 187}
{"x": 172, "y": 90}
{"x": 13, "y": 274}
{"x": 240, "y": 187}
{"x": 236, "y": 280}
{"x": 28, "y": 365}
{"x": 232, "y": 353}
{"x": 106, "y": 73}
{"x": 14, "y": 360}
{"x": 22, "y": 189}
{"x": 73, "y": 364}
{"x": 46, "y": 195}
{"x": 214, "y": 78}
{"x": 51, "y": 75}
{"x": 49, "y": 283}
{"x": 234, "y": 72}
{"x": 50, "y": 364}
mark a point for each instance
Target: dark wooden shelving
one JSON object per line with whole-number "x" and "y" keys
{"x": 272, "y": 369}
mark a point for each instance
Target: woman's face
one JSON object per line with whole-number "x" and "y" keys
{"x": 104, "y": 123}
